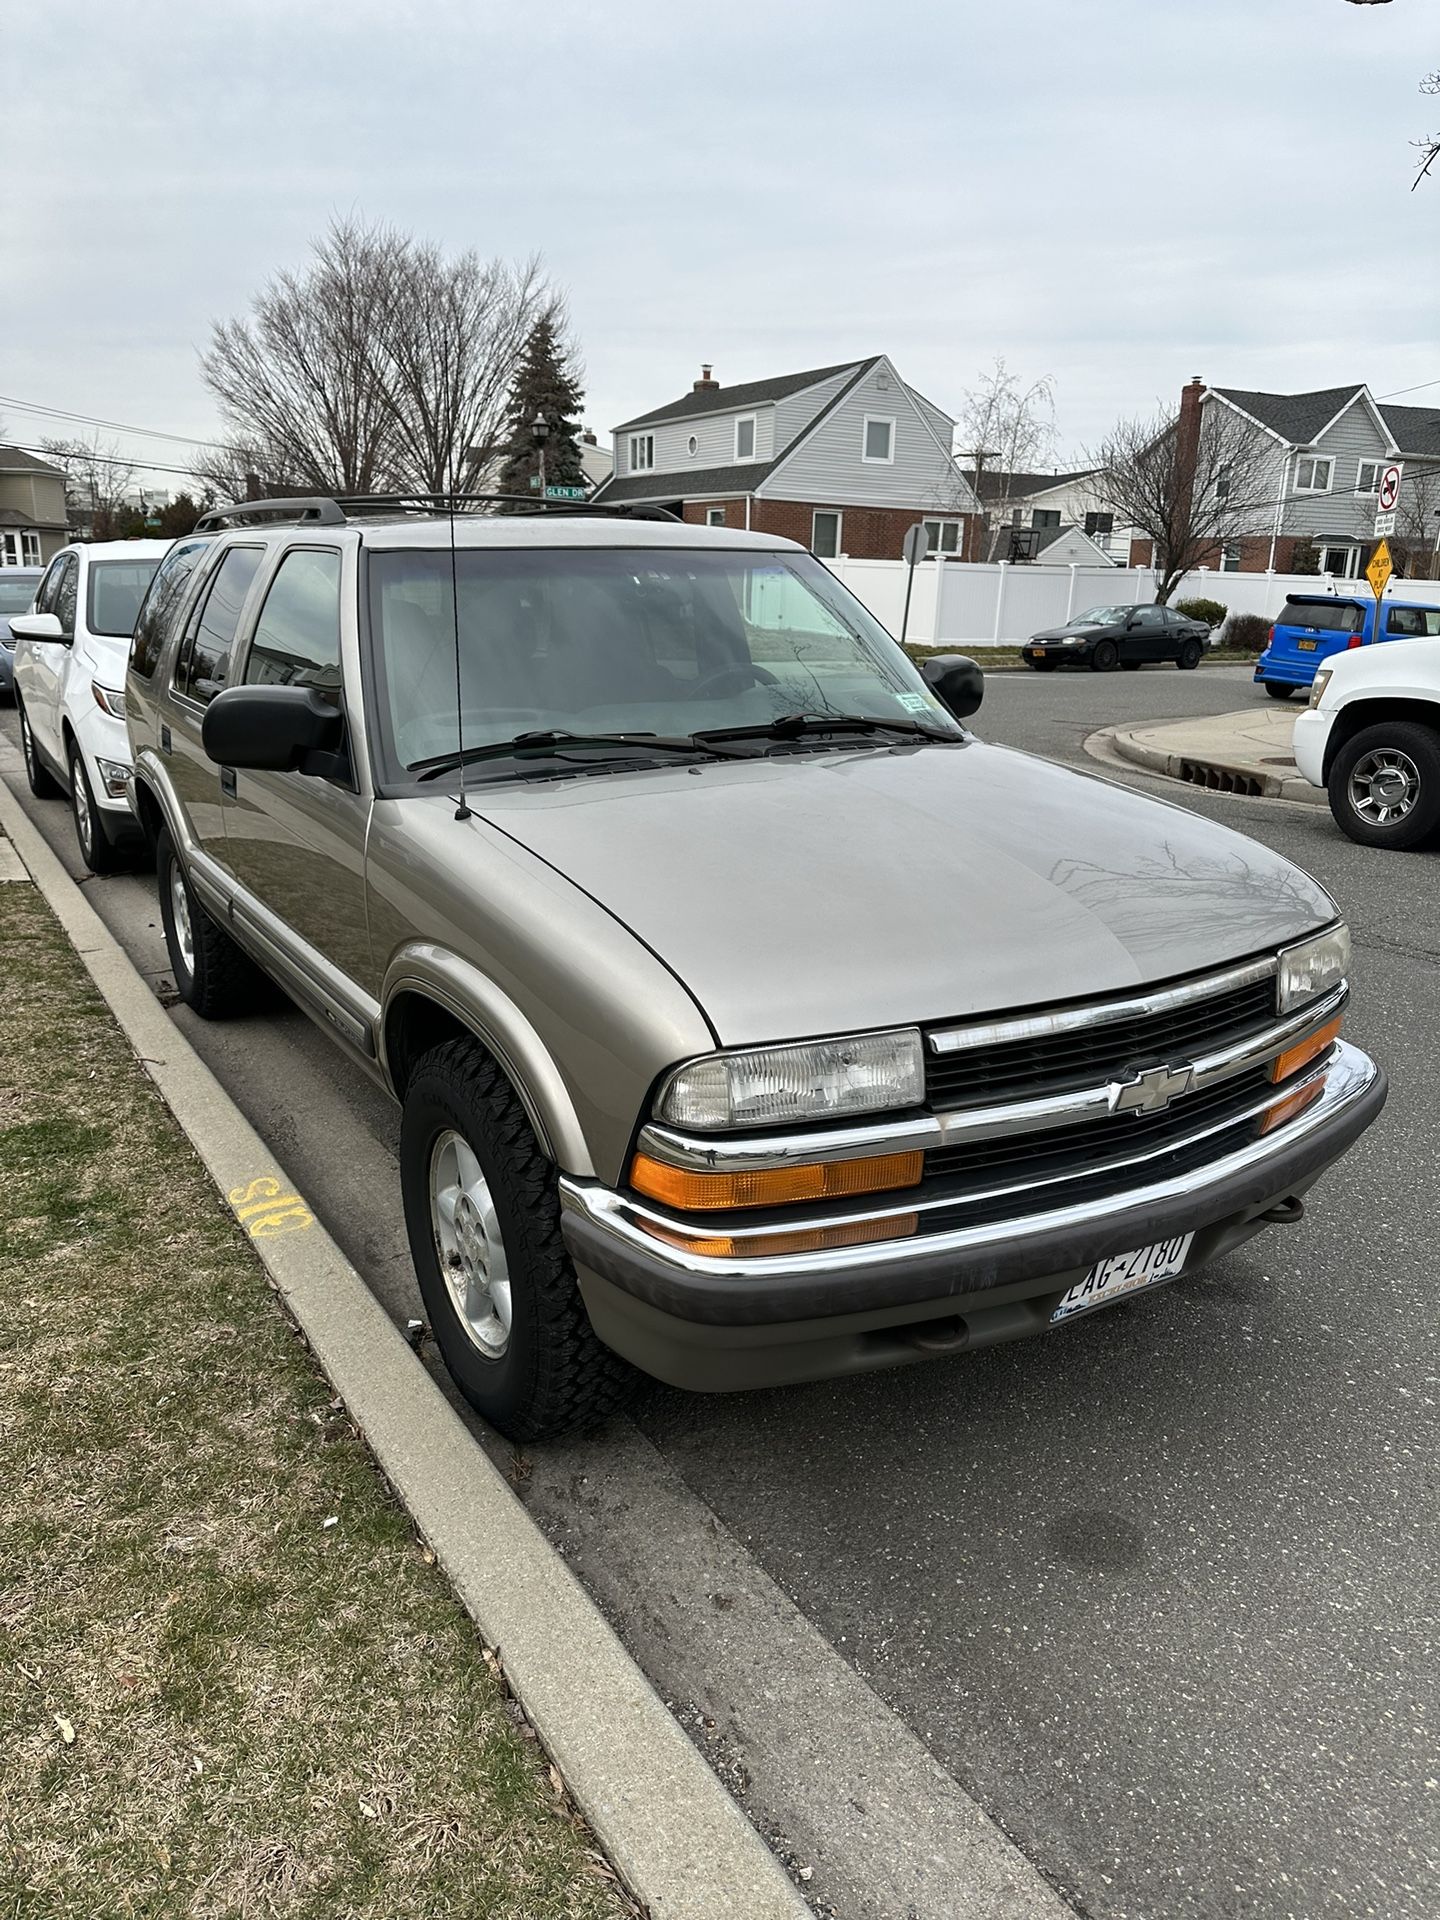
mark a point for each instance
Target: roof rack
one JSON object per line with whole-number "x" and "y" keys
{"x": 340, "y": 509}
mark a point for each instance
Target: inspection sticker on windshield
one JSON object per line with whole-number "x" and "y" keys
{"x": 916, "y": 702}
{"x": 1123, "y": 1273}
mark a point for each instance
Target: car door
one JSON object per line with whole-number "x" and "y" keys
{"x": 1145, "y": 635}
{"x": 296, "y": 841}
{"x": 199, "y": 672}
{"x": 48, "y": 660}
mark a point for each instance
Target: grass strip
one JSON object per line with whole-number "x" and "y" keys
{"x": 234, "y": 1681}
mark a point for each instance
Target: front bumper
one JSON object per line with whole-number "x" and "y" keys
{"x": 722, "y": 1323}
{"x": 1312, "y": 733}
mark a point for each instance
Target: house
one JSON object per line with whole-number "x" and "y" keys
{"x": 33, "y": 526}
{"x": 1329, "y": 449}
{"x": 1044, "y": 504}
{"x": 843, "y": 459}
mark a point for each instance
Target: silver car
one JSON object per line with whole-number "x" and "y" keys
{"x": 18, "y": 587}
{"x": 752, "y": 1020}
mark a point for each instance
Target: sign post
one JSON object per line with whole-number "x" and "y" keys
{"x": 914, "y": 548}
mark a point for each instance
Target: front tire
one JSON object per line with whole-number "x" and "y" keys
{"x": 211, "y": 973}
{"x": 1276, "y": 691}
{"x": 1384, "y": 785}
{"x": 96, "y": 848}
{"x": 1189, "y": 657}
{"x": 1105, "y": 658}
{"x": 41, "y": 782}
{"x": 500, "y": 1292}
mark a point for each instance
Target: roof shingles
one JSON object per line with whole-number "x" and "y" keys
{"x": 752, "y": 393}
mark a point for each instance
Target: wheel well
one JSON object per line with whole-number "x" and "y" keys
{"x": 1360, "y": 714}
{"x": 415, "y": 1024}
{"x": 147, "y": 811}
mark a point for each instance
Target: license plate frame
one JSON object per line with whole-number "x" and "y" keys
{"x": 1307, "y": 646}
{"x": 1120, "y": 1275}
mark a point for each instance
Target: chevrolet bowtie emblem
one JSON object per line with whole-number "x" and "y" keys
{"x": 1150, "y": 1090}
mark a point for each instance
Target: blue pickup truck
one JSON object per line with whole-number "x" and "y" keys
{"x": 1312, "y": 625}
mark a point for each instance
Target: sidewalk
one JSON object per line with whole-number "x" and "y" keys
{"x": 1248, "y": 752}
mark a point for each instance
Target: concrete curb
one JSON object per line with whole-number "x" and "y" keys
{"x": 672, "y": 1831}
{"x": 1211, "y": 772}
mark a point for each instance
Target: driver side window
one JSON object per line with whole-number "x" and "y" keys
{"x": 63, "y": 604}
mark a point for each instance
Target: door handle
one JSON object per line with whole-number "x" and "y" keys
{"x": 227, "y": 781}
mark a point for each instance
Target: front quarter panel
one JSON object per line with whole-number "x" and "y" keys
{"x": 580, "y": 1012}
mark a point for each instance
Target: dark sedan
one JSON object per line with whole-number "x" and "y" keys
{"x": 1103, "y": 638}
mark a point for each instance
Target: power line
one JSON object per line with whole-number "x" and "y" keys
{"x": 90, "y": 420}
{"x": 103, "y": 460}
{"x": 1415, "y": 389}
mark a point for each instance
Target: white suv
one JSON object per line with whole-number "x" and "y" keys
{"x": 1371, "y": 738}
{"x": 70, "y": 656}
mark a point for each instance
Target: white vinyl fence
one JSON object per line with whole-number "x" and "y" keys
{"x": 991, "y": 604}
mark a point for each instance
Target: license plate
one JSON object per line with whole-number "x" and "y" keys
{"x": 1307, "y": 646}
{"x": 1122, "y": 1273}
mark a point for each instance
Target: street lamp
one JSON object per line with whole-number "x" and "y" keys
{"x": 540, "y": 433}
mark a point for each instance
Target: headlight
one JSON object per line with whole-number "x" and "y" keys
{"x": 1314, "y": 967}
{"x": 1322, "y": 680}
{"x": 780, "y": 1086}
{"x": 110, "y": 699}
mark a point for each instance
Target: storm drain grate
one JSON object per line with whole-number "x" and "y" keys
{"x": 1221, "y": 779}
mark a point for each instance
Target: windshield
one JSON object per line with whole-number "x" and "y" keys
{"x": 116, "y": 589}
{"x": 1102, "y": 617}
{"x": 612, "y": 640}
{"x": 16, "y": 595}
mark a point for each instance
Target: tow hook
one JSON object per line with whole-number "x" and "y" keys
{"x": 1285, "y": 1213}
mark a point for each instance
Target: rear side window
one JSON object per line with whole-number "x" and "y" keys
{"x": 1329, "y": 616}
{"x": 161, "y": 605}
{"x": 200, "y": 670}
{"x": 1413, "y": 623}
{"x": 297, "y": 637}
{"x": 113, "y": 595}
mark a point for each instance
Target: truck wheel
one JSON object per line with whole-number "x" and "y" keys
{"x": 1190, "y": 656}
{"x": 1385, "y": 785}
{"x": 500, "y": 1292}
{"x": 212, "y": 974}
{"x": 96, "y": 848}
{"x": 1276, "y": 691}
{"x": 42, "y": 783}
{"x": 1106, "y": 657}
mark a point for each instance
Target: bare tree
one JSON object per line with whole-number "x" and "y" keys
{"x": 1007, "y": 428}
{"x": 1192, "y": 486}
{"x": 376, "y": 368}
{"x": 97, "y": 478}
{"x": 1417, "y": 520}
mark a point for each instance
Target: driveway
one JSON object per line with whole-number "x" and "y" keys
{"x": 1156, "y": 1593}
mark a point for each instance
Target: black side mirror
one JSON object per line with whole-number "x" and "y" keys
{"x": 955, "y": 679}
{"x": 276, "y": 730}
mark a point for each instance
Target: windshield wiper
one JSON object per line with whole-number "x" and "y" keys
{"x": 789, "y": 726}
{"x": 553, "y": 738}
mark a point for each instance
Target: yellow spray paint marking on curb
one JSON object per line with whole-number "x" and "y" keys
{"x": 265, "y": 1209}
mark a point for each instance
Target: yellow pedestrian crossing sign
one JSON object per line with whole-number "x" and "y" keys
{"x": 1380, "y": 568}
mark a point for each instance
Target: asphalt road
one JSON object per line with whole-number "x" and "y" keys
{"x": 1157, "y": 1592}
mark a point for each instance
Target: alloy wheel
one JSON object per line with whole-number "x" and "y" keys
{"x": 1384, "y": 786}
{"x": 469, "y": 1244}
{"x": 180, "y": 916}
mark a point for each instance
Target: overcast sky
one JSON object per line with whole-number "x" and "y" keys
{"x": 1114, "y": 193}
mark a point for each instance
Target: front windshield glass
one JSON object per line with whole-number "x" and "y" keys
{"x": 617, "y": 640}
{"x": 1102, "y": 617}
{"x": 116, "y": 589}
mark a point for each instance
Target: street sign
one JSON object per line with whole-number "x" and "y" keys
{"x": 916, "y": 544}
{"x": 567, "y": 493}
{"x": 1384, "y": 523}
{"x": 1380, "y": 569}
{"x": 1389, "y": 489}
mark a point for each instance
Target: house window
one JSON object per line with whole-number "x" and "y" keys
{"x": 825, "y": 535}
{"x": 1367, "y": 478}
{"x": 690, "y": 445}
{"x": 10, "y": 549}
{"x": 1100, "y": 526}
{"x": 642, "y": 452}
{"x": 745, "y": 437}
{"x": 30, "y": 546}
{"x": 1044, "y": 517}
{"x": 878, "y": 445}
{"x": 1338, "y": 560}
{"x": 1230, "y": 559}
{"x": 715, "y": 516}
{"x": 1313, "y": 476}
{"x": 943, "y": 536}
{"x": 1222, "y": 483}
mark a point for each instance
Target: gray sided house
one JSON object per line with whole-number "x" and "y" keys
{"x": 33, "y": 526}
{"x": 1329, "y": 451}
{"x": 843, "y": 459}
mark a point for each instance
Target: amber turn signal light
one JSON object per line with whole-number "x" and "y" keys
{"x": 1304, "y": 1051}
{"x": 773, "y": 1186}
{"x": 1292, "y": 1104}
{"x": 720, "y": 1246}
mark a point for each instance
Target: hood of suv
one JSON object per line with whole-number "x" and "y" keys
{"x": 823, "y": 893}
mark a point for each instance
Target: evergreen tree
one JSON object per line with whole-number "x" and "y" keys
{"x": 543, "y": 385}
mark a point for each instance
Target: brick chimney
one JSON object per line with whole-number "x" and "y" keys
{"x": 588, "y": 437}
{"x": 1187, "y": 443}
{"x": 705, "y": 384}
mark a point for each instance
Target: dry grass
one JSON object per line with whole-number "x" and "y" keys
{"x": 233, "y": 1681}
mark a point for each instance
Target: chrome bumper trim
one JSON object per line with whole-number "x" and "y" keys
{"x": 697, "y": 1154}
{"x": 1347, "y": 1072}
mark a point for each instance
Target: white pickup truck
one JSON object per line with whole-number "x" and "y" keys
{"x": 1371, "y": 738}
